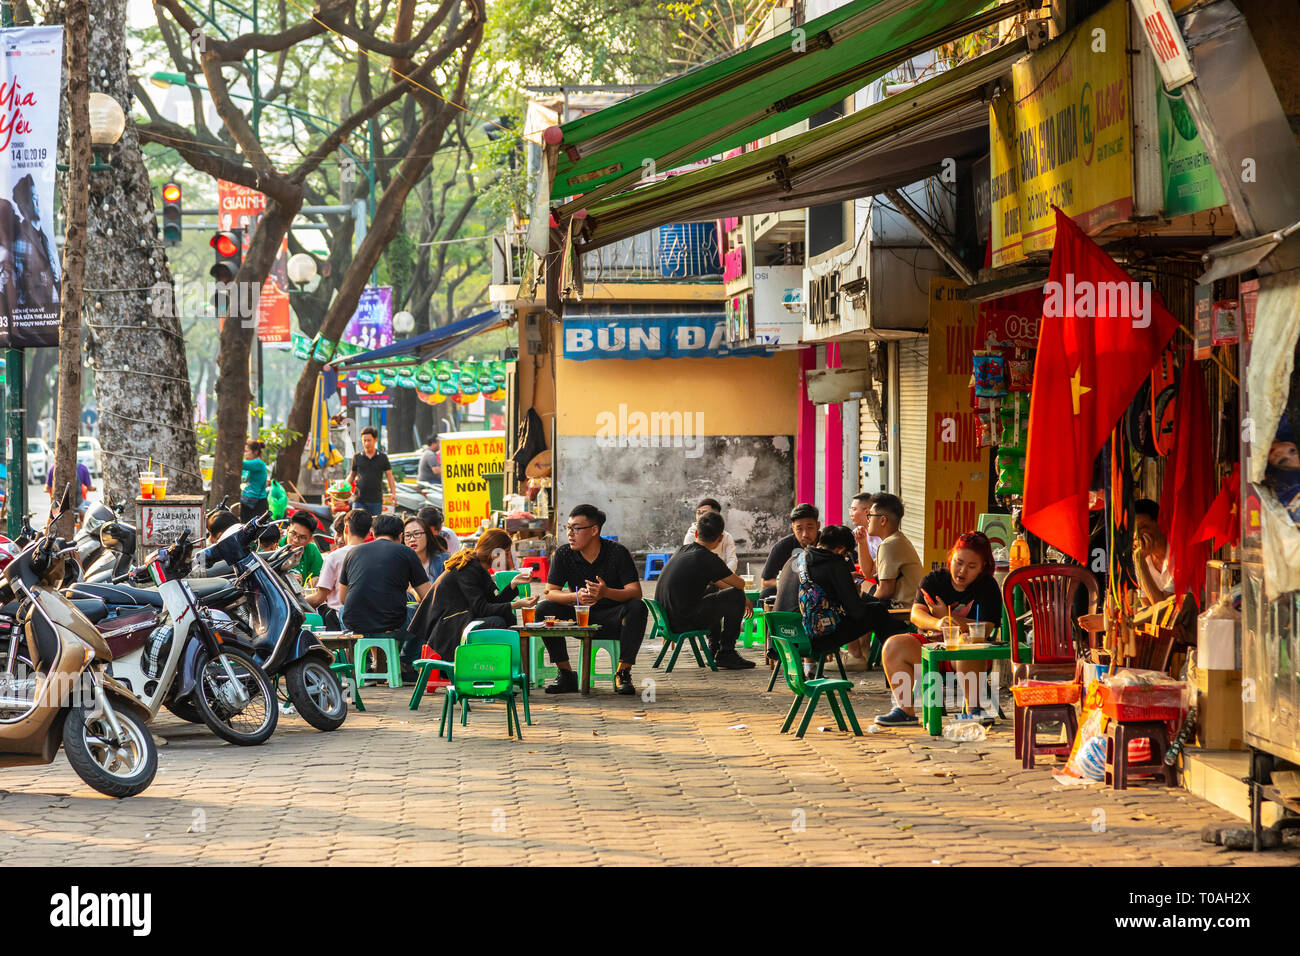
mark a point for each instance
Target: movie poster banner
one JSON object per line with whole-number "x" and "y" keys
{"x": 30, "y": 271}
{"x": 239, "y": 207}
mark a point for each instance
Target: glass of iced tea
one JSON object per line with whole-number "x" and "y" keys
{"x": 146, "y": 484}
{"x": 583, "y": 614}
{"x": 529, "y": 614}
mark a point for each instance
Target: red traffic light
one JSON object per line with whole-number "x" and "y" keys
{"x": 171, "y": 193}
{"x": 225, "y": 245}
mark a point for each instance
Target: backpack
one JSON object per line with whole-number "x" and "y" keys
{"x": 820, "y": 614}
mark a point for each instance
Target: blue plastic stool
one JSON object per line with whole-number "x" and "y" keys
{"x": 654, "y": 564}
{"x": 386, "y": 646}
{"x": 611, "y": 648}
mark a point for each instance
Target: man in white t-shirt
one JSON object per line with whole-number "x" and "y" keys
{"x": 1151, "y": 552}
{"x": 355, "y": 529}
{"x": 724, "y": 547}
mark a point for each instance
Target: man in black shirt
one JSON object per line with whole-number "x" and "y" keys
{"x": 370, "y": 468}
{"x": 804, "y": 526}
{"x": 373, "y": 585}
{"x": 602, "y": 575}
{"x": 683, "y": 591}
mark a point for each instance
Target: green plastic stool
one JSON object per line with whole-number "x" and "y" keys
{"x": 386, "y": 646}
{"x": 612, "y": 649}
{"x": 345, "y": 672}
{"x": 697, "y": 640}
{"x": 752, "y": 629}
{"x": 542, "y": 672}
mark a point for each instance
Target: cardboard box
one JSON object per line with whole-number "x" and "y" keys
{"x": 1219, "y": 710}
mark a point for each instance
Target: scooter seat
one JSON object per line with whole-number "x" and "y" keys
{"x": 94, "y": 610}
{"x": 125, "y": 594}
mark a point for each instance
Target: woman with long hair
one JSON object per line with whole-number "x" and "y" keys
{"x": 252, "y": 499}
{"x": 961, "y": 592}
{"x": 429, "y": 546}
{"x": 466, "y": 591}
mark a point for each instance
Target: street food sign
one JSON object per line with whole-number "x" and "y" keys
{"x": 163, "y": 522}
{"x": 1166, "y": 42}
{"x": 1063, "y": 138}
{"x": 466, "y": 458}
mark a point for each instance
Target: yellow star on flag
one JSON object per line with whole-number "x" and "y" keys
{"x": 1077, "y": 388}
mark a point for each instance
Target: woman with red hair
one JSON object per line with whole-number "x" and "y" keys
{"x": 960, "y": 592}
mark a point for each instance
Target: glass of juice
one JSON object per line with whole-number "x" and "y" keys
{"x": 146, "y": 484}
{"x": 529, "y": 614}
{"x": 160, "y": 487}
{"x": 583, "y": 614}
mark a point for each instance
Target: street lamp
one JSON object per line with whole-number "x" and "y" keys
{"x": 302, "y": 269}
{"x": 107, "y": 121}
{"x": 403, "y": 323}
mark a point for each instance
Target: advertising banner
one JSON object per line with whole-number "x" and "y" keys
{"x": 466, "y": 458}
{"x": 30, "y": 268}
{"x": 239, "y": 207}
{"x": 957, "y": 466}
{"x": 1063, "y": 138}
{"x": 649, "y": 336}
{"x": 371, "y": 325}
{"x": 1190, "y": 184}
{"x": 778, "y": 305}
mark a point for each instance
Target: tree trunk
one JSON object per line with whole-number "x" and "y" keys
{"x": 76, "y": 199}
{"x": 141, "y": 381}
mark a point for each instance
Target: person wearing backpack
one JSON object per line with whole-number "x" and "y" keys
{"x": 834, "y": 611}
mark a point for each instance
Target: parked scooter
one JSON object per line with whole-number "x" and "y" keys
{"x": 70, "y": 697}
{"x": 116, "y": 539}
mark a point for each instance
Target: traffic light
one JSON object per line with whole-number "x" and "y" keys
{"x": 229, "y": 249}
{"x": 171, "y": 194}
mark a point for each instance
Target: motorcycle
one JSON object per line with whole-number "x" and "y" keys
{"x": 71, "y": 698}
{"x": 181, "y": 663}
{"x": 256, "y": 612}
{"x": 116, "y": 539}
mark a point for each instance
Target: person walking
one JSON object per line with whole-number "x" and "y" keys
{"x": 370, "y": 469}
{"x": 430, "y": 468}
{"x": 253, "y": 473}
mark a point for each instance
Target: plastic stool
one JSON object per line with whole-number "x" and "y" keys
{"x": 542, "y": 672}
{"x": 347, "y": 675}
{"x": 752, "y": 629}
{"x": 1027, "y": 746}
{"x": 386, "y": 646}
{"x": 539, "y": 563}
{"x": 654, "y": 564}
{"x": 611, "y": 648}
{"x": 1119, "y": 734}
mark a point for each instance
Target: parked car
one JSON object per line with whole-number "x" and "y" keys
{"x": 90, "y": 454}
{"x": 38, "y": 460}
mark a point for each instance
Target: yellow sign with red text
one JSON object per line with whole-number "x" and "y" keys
{"x": 1063, "y": 138}
{"x": 956, "y": 466}
{"x": 466, "y": 458}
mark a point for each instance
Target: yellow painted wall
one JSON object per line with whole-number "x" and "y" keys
{"x": 737, "y": 396}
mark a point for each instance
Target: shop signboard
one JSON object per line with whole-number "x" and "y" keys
{"x": 778, "y": 306}
{"x": 957, "y": 466}
{"x": 29, "y": 138}
{"x": 1190, "y": 184}
{"x": 1202, "y": 338}
{"x": 649, "y": 336}
{"x": 371, "y": 325}
{"x": 239, "y": 207}
{"x": 1063, "y": 138}
{"x": 163, "y": 522}
{"x": 466, "y": 458}
{"x": 1166, "y": 41}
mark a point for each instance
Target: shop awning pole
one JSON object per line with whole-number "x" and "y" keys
{"x": 937, "y": 242}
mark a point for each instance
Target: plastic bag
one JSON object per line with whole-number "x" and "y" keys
{"x": 277, "y": 501}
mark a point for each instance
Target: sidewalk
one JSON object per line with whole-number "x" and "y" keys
{"x": 604, "y": 780}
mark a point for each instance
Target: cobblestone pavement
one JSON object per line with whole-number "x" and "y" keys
{"x": 699, "y": 775}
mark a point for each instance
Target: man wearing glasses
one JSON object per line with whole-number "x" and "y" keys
{"x": 601, "y": 575}
{"x": 896, "y": 565}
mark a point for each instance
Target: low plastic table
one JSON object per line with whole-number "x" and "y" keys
{"x": 932, "y": 655}
{"x": 562, "y": 629}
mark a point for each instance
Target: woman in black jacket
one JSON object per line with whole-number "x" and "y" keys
{"x": 466, "y": 591}
{"x": 830, "y": 567}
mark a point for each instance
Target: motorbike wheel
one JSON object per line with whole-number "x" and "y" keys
{"x": 315, "y": 692}
{"x": 185, "y": 710}
{"x": 249, "y": 725}
{"x": 115, "y": 771}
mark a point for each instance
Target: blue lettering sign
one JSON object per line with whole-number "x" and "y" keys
{"x": 650, "y": 336}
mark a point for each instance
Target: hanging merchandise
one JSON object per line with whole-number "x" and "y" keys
{"x": 424, "y": 374}
{"x": 323, "y": 349}
{"x": 1164, "y": 388}
{"x": 485, "y": 376}
{"x": 443, "y": 370}
{"x": 366, "y": 376}
{"x": 462, "y": 398}
{"x": 498, "y": 396}
{"x": 301, "y": 346}
{"x": 1011, "y": 474}
{"x": 448, "y": 389}
{"x": 405, "y": 379}
{"x": 388, "y": 377}
{"x": 990, "y": 374}
{"x": 499, "y": 373}
{"x": 1020, "y": 371}
{"x": 983, "y": 430}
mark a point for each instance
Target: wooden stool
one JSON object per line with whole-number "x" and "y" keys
{"x": 1119, "y": 733}
{"x": 1027, "y": 722}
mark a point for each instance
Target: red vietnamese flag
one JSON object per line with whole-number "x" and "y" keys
{"x": 1100, "y": 335}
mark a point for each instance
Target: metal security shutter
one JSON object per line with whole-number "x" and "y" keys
{"x": 913, "y": 386}
{"x": 869, "y": 441}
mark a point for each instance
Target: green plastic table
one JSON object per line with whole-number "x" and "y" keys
{"x": 562, "y": 629}
{"x": 932, "y": 687}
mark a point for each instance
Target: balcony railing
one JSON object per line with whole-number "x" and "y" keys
{"x": 682, "y": 252}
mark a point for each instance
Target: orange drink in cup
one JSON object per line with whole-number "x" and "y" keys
{"x": 146, "y": 484}
{"x": 529, "y": 614}
{"x": 160, "y": 487}
{"x": 583, "y": 614}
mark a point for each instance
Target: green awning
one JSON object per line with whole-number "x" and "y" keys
{"x": 759, "y": 91}
{"x": 893, "y": 143}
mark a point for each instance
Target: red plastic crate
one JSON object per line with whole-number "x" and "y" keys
{"x": 1142, "y": 703}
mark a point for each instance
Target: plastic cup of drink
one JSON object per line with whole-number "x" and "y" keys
{"x": 146, "y": 484}
{"x": 528, "y": 614}
{"x": 160, "y": 488}
{"x": 951, "y": 635}
{"x": 978, "y": 631}
{"x": 582, "y": 614}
